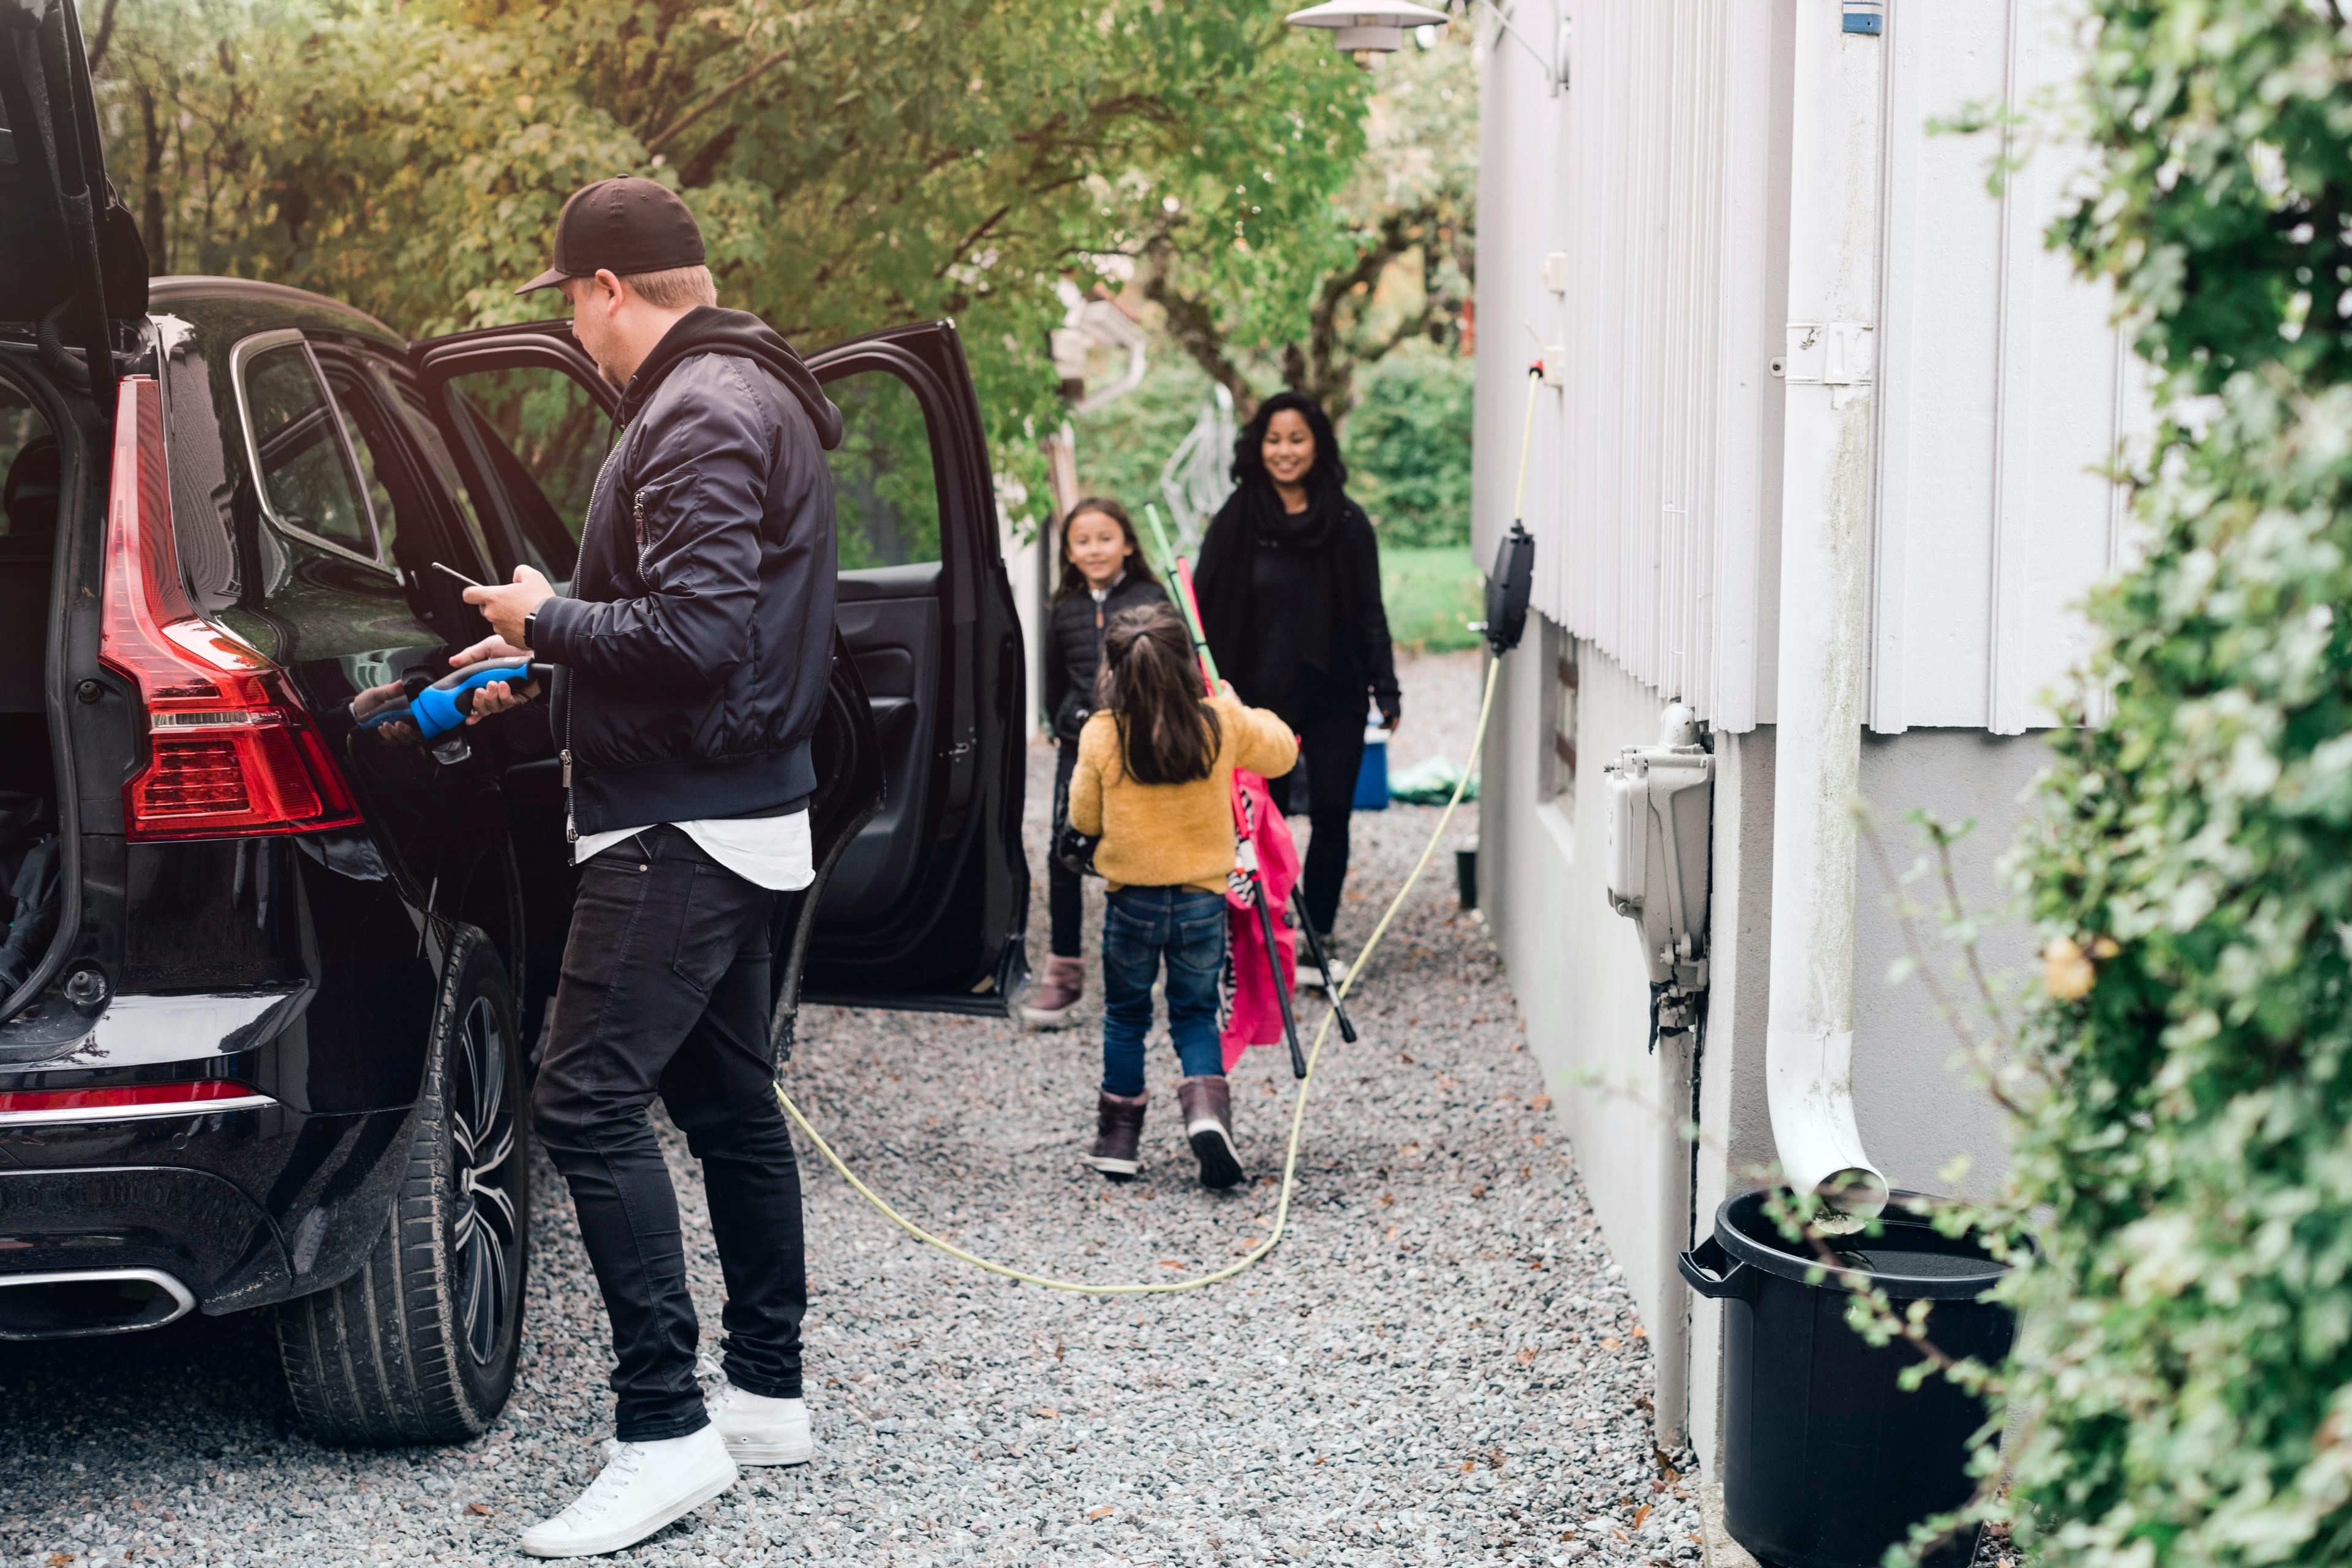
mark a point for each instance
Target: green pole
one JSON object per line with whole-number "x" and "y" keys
{"x": 1180, "y": 576}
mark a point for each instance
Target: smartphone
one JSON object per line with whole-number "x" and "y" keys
{"x": 453, "y": 572}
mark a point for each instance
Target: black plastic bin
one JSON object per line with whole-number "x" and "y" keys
{"x": 1827, "y": 1461}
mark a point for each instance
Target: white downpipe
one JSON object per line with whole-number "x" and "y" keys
{"x": 1825, "y": 516}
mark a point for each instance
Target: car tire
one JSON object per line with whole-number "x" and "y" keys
{"x": 420, "y": 1346}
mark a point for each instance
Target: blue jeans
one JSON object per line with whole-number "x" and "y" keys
{"x": 1141, "y": 924}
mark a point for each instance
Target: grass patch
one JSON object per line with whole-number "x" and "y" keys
{"x": 1430, "y": 592}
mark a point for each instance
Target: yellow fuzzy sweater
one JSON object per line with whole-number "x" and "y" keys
{"x": 1165, "y": 835}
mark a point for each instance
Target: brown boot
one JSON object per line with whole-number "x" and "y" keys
{"x": 1208, "y": 1105}
{"x": 1118, "y": 1134}
{"x": 1056, "y": 996}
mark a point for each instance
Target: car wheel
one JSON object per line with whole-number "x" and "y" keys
{"x": 420, "y": 1346}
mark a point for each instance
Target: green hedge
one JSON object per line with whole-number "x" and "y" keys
{"x": 2184, "y": 1377}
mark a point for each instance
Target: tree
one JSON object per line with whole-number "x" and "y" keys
{"x": 2185, "y": 1372}
{"x": 853, "y": 165}
{"x": 1388, "y": 261}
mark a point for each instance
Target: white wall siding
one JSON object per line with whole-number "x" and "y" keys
{"x": 2004, "y": 388}
{"x": 1650, "y": 523}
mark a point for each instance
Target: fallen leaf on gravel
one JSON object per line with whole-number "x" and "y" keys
{"x": 1469, "y": 1465}
{"x": 1479, "y": 1191}
{"x": 1527, "y": 1358}
{"x": 1173, "y": 1263}
{"x": 1540, "y": 1102}
{"x": 1640, "y": 1514}
{"x": 1640, "y": 1333}
{"x": 59, "y": 1559}
{"x": 1104, "y": 1513}
{"x": 481, "y": 1508}
{"x": 1609, "y": 1342}
{"x": 1494, "y": 1459}
{"x": 1046, "y": 1413}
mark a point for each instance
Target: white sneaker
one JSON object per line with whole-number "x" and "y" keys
{"x": 1328, "y": 977}
{"x": 643, "y": 1487}
{"x": 759, "y": 1430}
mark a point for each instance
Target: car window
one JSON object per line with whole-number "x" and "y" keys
{"x": 305, "y": 474}
{"x": 548, "y": 541}
{"x": 370, "y": 444}
{"x": 552, "y": 427}
{"x": 436, "y": 452}
{"x": 886, "y": 498}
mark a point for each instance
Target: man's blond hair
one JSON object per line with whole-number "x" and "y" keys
{"x": 678, "y": 288}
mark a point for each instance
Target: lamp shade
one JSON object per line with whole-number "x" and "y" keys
{"x": 1359, "y": 24}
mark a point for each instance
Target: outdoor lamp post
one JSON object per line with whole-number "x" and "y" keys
{"x": 1367, "y": 27}
{"x": 1364, "y": 30}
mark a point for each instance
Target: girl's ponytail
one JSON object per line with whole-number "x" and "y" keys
{"x": 1151, "y": 687}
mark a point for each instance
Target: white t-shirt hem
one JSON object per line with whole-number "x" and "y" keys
{"x": 770, "y": 852}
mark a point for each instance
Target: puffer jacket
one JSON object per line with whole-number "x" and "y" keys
{"x": 1073, "y": 641}
{"x": 695, "y": 647}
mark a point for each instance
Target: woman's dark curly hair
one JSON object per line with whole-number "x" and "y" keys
{"x": 1249, "y": 454}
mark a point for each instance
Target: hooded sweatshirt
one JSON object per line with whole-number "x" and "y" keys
{"x": 695, "y": 647}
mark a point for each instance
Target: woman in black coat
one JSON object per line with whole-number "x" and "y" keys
{"x": 1289, "y": 585}
{"x": 1102, "y": 573}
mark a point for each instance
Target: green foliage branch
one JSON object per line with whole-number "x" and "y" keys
{"x": 854, "y": 165}
{"x": 2179, "y": 1085}
{"x": 2185, "y": 1368}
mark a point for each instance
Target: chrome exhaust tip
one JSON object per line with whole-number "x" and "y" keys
{"x": 85, "y": 1302}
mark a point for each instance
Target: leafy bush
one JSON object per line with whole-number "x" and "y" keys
{"x": 1408, "y": 446}
{"x": 2186, "y": 1366}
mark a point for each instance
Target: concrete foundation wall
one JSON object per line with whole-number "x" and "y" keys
{"x": 1918, "y": 1111}
{"x": 1575, "y": 965}
{"x": 1584, "y": 993}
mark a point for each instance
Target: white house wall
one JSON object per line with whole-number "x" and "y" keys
{"x": 1652, "y": 177}
{"x": 2004, "y": 388}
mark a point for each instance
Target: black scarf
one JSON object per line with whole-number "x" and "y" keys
{"x": 1253, "y": 519}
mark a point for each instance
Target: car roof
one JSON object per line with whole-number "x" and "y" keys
{"x": 297, "y": 307}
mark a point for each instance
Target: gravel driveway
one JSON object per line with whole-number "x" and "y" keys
{"x": 1439, "y": 1364}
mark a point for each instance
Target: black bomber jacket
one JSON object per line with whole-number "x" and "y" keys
{"x": 1073, "y": 641}
{"x": 693, "y": 650}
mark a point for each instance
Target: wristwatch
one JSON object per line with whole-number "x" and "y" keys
{"x": 527, "y": 628}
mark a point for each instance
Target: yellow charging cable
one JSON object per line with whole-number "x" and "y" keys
{"x": 1297, "y": 1110}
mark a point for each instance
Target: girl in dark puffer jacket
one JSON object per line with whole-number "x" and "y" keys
{"x": 1102, "y": 573}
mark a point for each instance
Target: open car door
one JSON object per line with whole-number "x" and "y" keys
{"x": 68, "y": 249}
{"x": 928, "y": 905}
{"x": 72, "y": 267}
{"x": 922, "y": 886}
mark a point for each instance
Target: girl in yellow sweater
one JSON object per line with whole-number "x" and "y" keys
{"x": 1154, "y": 780}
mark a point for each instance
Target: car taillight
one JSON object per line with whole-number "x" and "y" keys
{"x": 129, "y": 1102}
{"x": 229, "y": 752}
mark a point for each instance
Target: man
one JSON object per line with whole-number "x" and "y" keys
{"x": 692, "y": 657}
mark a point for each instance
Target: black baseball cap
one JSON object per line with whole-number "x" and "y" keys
{"x": 626, "y": 225}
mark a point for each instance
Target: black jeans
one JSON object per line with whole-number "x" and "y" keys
{"x": 666, "y": 991}
{"x": 1330, "y": 755}
{"x": 1065, "y": 898}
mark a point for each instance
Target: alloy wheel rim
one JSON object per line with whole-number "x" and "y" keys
{"x": 482, "y": 1141}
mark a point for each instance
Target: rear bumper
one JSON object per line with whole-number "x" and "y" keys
{"x": 194, "y": 1228}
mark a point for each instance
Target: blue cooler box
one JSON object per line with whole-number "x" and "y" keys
{"x": 1372, "y": 778}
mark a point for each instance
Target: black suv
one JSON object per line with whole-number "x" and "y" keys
{"x": 272, "y": 972}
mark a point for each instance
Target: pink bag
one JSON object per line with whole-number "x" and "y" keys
{"x": 1253, "y": 1009}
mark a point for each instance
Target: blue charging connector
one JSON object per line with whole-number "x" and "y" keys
{"x": 444, "y": 705}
